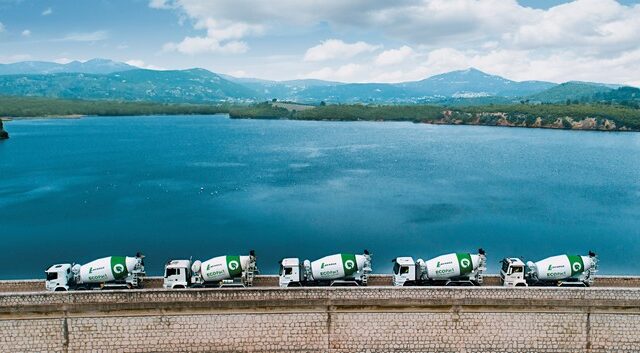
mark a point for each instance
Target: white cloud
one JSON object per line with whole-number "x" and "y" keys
{"x": 337, "y": 49}
{"x": 47, "y": 12}
{"x": 160, "y": 4}
{"x": 198, "y": 45}
{"x": 222, "y": 37}
{"x": 26, "y": 33}
{"x": 85, "y": 37}
{"x": 141, "y": 64}
{"x": 62, "y": 61}
{"x": 348, "y": 73}
{"x": 394, "y": 56}
{"x": 238, "y": 73}
{"x": 581, "y": 39}
{"x": 2, "y": 27}
{"x": 14, "y": 58}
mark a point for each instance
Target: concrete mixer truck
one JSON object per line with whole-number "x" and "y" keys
{"x": 221, "y": 271}
{"x": 107, "y": 272}
{"x": 332, "y": 270}
{"x": 560, "y": 270}
{"x": 456, "y": 269}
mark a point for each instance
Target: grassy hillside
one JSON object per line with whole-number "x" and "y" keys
{"x": 186, "y": 86}
{"x": 569, "y": 90}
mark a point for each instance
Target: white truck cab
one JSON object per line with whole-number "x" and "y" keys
{"x": 404, "y": 270}
{"x": 177, "y": 274}
{"x": 58, "y": 277}
{"x": 512, "y": 272}
{"x": 289, "y": 272}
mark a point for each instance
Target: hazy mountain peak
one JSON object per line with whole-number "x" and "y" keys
{"x": 93, "y": 66}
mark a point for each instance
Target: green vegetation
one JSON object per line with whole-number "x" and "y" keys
{"x": 35, "y": 107}
{"x": 627, "y": 96}
{"x": 582, "y": 91}
{"x": 601, "y": 116}
{"x": 549, "y": 113}
{"x": 525, "y": 115}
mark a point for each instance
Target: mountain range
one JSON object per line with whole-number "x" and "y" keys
{"x": 106, "y": 79}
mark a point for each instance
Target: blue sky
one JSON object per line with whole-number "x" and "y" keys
{"x": 356, "y": 40}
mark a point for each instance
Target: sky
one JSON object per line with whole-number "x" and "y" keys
{"x": 338, "y": 40}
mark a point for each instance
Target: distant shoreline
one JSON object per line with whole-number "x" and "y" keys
{"x": 70, "y": 116}
{"x": 583, "y": 117}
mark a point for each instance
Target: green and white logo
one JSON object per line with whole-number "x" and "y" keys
{"x": 577, "y": 266}
{"x": 233, "y": 264}
{"x": 119, "y": 267}
{"x": 349, "y": 263}
{"x": 464, "y": 260}
{"x": 323, "y": 265}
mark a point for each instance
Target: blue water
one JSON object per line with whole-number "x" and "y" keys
{"x": 202, "y": 186}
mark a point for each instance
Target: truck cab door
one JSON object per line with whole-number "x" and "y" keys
{"x": 57, "y": 281}
{"x": 175, "y": 278}
{"x": 289, "y": 275}
{"x": 402, "y": 274}
{"x": 514, "y": 276}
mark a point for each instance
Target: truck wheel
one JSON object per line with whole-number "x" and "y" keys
{"x": 60, "y": 289}
{"x": 520, "y": 285}
{"x": 179, "y": 286}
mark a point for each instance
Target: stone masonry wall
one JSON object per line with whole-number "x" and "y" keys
{"x": 334, "y": 320}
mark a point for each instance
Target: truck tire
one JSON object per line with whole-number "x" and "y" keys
{"x": 60, "y": 289}
{"x": 520, "y": 284}
{"x": 179, "y": 286}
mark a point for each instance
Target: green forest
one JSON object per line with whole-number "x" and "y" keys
{"x": 563, "y": 115}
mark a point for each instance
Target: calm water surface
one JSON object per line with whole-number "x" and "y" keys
{"x": 175, "y": 187}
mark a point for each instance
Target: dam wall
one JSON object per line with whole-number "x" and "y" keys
{"x": 37, "y": 285}
{"x": 336, "y": 320}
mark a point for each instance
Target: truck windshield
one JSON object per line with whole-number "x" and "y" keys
{"x": 396, "y": 268}
{"x": 171, "y": 272}
{"x": 52, "y": 275}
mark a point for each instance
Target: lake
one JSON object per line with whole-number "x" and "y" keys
{"x": 203, "y": 186}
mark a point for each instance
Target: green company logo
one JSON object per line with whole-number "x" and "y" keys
{"x": 576, "y": 266}
{"x": 465, "y": 263}
{"x": 576, "y": 263}
{"x": 443, "y": 263}
{"x": 323, "y": 265}
{"x": 234, "y": 266}
{"x": 349, "y": 264}
{"x": 118, "y": 268}
{"x": 91, "y": 269}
